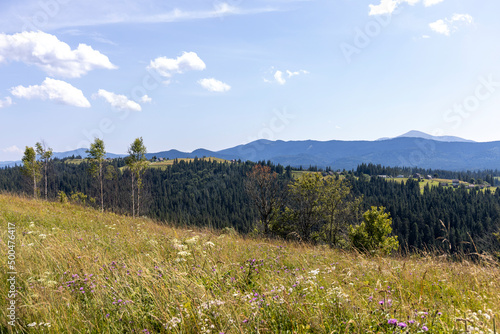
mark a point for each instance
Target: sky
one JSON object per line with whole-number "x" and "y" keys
{"x": 215, "y": 74}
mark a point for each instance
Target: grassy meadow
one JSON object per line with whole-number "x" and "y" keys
{"x": 83, "y": 271}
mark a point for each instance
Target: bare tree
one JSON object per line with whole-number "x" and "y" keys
{"x": 266, "y": 193}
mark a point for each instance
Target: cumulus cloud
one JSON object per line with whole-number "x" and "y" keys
{"x": 5, "y": 102}
{"x": 120, "y": 102}
{"x": 389, "y": 6}
{"x": 428, "y": 3}
{"x": 441, "y": 27}
{"x": 167, "y": 67}
{"x": 51, "y": 55}
{"x": 54, "y": 90}
{"x": 146, "y": 99}
{"x": 282, "y": 77}
{"x": 214, "y": 85}
{"x": 12, "y": 149}
{"x": 447, "y": 26}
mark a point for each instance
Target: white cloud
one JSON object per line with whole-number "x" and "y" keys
{"x": 166, "y": 67}
{"x": 278, "y": 76}
{"x": 389, "y": 6}
{"x": 120, "y": 102}
{"x": 5, "y": 102}
{"x": 146, "y": 99}
{"x": 12, "y": 149}
{"x": 462, "y": 17}
{"x": 281, "y": 77}
{"x": 441, "y": 27}
{"x": 55, "y": 90}
{"x": 52, "y": 15}
{"x": 51, "y": 55}
{"x": 385, "y": 7}
{"x": 428, "y": 3}
{"x": 446, "y": 26}
{"x": 214, "y": 85}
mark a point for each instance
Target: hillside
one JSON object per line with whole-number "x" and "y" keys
{"x": 412, "y": 149}
{"x": 81, "y": 271}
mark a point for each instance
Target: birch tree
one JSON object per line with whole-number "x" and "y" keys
{"x": 45, "y": 154}
{"x": 31, "y": 167}
{"x": 96, "y": 157}
{"x": 138, "y": 164}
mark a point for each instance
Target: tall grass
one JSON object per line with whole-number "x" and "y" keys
{"x": 82, "y": 271}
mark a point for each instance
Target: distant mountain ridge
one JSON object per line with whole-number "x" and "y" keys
{"x": 410, "y": 150}
{"x": 423, "y": 135}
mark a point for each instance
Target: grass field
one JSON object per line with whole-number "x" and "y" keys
{"x": 164, "y": 164}
{"x": 82, "y": 271}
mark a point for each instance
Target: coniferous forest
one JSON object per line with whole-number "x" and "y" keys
{"x": 213, "y": 194}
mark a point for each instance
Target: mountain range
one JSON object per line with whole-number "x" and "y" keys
{"x": 413, "y": 149}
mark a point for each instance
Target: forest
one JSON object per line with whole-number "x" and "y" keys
{"x": 214, "y": 194}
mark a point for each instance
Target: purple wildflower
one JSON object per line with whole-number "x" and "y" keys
{"x": 392, "y": 321}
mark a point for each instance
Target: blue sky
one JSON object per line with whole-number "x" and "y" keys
{"x": 214, "y": 74}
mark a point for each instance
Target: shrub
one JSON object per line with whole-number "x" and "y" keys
{"x": 373, "y": 234}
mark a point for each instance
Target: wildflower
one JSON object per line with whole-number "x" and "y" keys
{"x": 314, "y": 272}
{"x": 392, "y": 322}
{"x": 424, "y": 328}
{"x": 183, "y": 253}
{"x": 209, "y": 244}
{"x": 192, "y": 241}
{"x": 33, "y": 324}
{"x": 43, "y": 236}
{"x": 402, "y": 324}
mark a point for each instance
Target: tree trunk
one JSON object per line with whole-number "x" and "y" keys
{"x": 100, "y": 178}
{"x": 133, "y": 197}
{"x": 34, "y": 183}
{"x": 46, "y": 179}
{"x": 138, "y": 199}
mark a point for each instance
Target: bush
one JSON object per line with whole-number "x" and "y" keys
{"x": 372, "y": 235}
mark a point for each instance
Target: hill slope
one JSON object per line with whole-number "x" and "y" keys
{"x": 113, "y": 274}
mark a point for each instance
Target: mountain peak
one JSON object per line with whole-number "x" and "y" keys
{"x": 423, "y": 135}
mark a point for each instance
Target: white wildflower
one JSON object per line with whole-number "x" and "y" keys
{"x": 43, "y": 236}
{"x": 192, "y": 241}
{"x": 179, "y": 246}
{"x": 209, "y": 244}
{"x": 183, "y": 253}
{"x": 314, "y": 272}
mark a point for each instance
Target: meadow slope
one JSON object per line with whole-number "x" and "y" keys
{"x": 82, "y": 271}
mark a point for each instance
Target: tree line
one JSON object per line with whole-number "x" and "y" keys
{"x": 269, "y": 199}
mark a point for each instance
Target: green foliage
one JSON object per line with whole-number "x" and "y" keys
{"x": 372, "y": 235}
{"x": 138, "y": 164}
{"x": 45, "y": 155}
{"x": 317, "y": 209}
{"x": 96, "y": 153}
{"x": 31, "y": 168}
{"x": 62, "y": 197}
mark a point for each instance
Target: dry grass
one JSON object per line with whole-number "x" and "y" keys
{"x": 85, "y": 272}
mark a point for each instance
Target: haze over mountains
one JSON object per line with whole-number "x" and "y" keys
{"x": 412, "y": 149}
{"x": 423, "y": 135}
